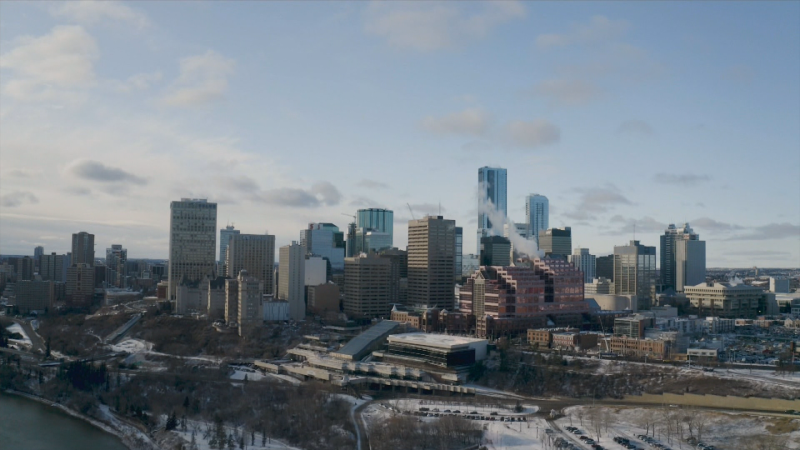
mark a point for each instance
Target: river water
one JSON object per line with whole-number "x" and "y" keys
{"x": 29, "y": 425}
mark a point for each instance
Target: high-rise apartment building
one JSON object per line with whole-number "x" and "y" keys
{"x": 53, "y": 267}
{"x": 495, "y": 251}
{"x": 398, "y": 287}
{"x": 324, "y": 239}
{"x": 604, "y": 267}
{"x": 635, "y": 272}
{"x": 25, "y": 268}
{"x": 116, "y": 264}
{"x": 459, "y": 253}
{"x": 83, "y": 248}
{"x": 251, "y": 299}
{"x": 556, "y": 242}
{"x": 492, "y": 189}
{"x": 80, "y": 285}
{"x": 367, "y": 286}
{"x": 431, "y": 257}
{"x": 38, "y": 251}
{"x": 192, "y": 241}
{"x": 34, "y": 295}
{"x": 291, "y": 279}
{"x": 254, "y": 253}
{"x": 683, "y": 258}
{"x": 377, "y": 219}
{"x": 584, "y": 261}
{"x": 224, "y": 237}
{"x": 537, "y": 214}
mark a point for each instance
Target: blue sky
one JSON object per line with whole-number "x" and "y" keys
{"x": 288, "y": 113}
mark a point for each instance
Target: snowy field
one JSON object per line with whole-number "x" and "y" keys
{"x": 726, "y": 431}
{"x": 132, "y": 346}
{"x": 16, "y": 328}
{"x": 198, "y": 428}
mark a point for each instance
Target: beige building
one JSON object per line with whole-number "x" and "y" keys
{"x": 231, "y": 300}
{"x": 250, "y": 302}
{"x": 431, "y": 258}
{"x": 724, "y": 299}
{"x": 625, "y": 345}
{"x": 291, "y": 279}
{"x": 599, "y": 286}
{"x": 367, "y": 280}
{"x": 34, "y": 295}
{"x": 611, "y": 302}
{"x": 192, "y": 242}
{"x": 254, "y": 253}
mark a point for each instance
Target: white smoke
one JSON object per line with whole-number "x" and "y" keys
{"x": 498, "y": 220}
{"x": 734, "y": 279}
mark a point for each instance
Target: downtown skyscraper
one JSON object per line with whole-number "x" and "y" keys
{"x": 431, "y": 258}
{"x": 493, "y": 193}
{"x": 537, "y": 215}
{"x": 192, "y": 242}
{"x": 683, "y": 258}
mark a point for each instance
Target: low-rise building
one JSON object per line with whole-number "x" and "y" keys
{"x": 600, "y": 285}
{"x": 724, "y": 299}
{"x": 275, "y": 310}
{"x": 34, "y": 295}
{"x": 436, "y": 349}
{"x": 574, "y": 341}
{"x": 633, "y": 326}
{"x": 542, "y": 337}
{"x": 702, "y": 355}
{"x": 717, "y": 325}
{"x": 625, "y": 345}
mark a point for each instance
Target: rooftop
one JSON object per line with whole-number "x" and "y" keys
{"x": 445, "y": 341}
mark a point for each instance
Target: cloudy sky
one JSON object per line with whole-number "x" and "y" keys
{"x": 288, "y": 113}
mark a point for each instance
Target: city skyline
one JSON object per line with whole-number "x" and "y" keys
{"x": 146, "y": 113}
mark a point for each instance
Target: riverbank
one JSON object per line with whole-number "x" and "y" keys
{"x": 130, "y": 436}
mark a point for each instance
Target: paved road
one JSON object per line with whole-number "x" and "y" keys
{"x": 361, "y": 431}
{"x": 36, "y": 341}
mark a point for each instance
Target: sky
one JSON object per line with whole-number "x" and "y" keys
{"x": 287, "y": 113}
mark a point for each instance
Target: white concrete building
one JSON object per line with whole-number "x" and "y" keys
{"x": 192, "y": 242}
{"x": 291, "y": 279}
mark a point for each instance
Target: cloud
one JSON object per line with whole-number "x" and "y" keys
{"x": 320, "y": 194}
{"x": 599, "y": 28}
{"x": 533, "y": 134}
{"x": 770, "y": 231}
{"x": 477, "y": 146}
{"x": 363, "y": 202}
{"x": 203, "y": 79}
{"x": 471, "y": 121}
{"x": 644, "y": 225}
{"x": 77, "y": 190}
{"x": 682, "y": 179}
{"x": 97, "y": 171}
{"x": 372, "y": 184}
{"x": 23, "y": 173}
{"x": 597, "y": 200}
{"x": 17, "y": 198}
{"x": 563, "y": 92}
{"x": 635, "y": 128}
{"x": 138, "y": 82}
{"x": 705, "y": 223}
{"x": 430, "y": 27}
{"x": 241, "y": 183}
{"x": 47, "y": 65}
{"x": 93, "y": 12}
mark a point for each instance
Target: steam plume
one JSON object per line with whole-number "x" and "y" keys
{"x": 498, "y": 220}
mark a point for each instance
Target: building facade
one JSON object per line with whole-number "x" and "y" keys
{"x": 635, "y": 272}
{"x": 585, "y": 262}
{"x": 537, "y": 214}
{"x": 53, "y": 267}
{"x": 116, "y": 264}
{"x": 492, "y": 188}
{"x": 683, "y": 258}
{"x": 367, "y": 282}
{"x": 254, "y": 253}
{"x": 495, "y": 251}
{"x": 80, "y": 285}
{"x": 431, "y": 257}
{"x": 604, "y": 267}
{"x": 324, "y": 239}
{"x": 377, "y": 219}
{"x": 34, "y": 295}
{"x": 192, "y": 241}
{"x": 224, "y": 237}
{"x": 83, "y": 248}
{"x": 556, "y": 242}
{"x": 251, "y": 298}
{"x": 291, "y": 279}
{"x": 726, "y": 300}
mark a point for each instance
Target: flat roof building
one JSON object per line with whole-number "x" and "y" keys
{"x": 437, "y": 349}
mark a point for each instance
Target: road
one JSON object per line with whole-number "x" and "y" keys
{"x": 362, "y": 437}
{"x": 36, "y": 340}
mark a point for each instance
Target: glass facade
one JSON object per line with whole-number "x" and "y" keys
{"x": 492, "y": 185}
{"x": 376, "y": 219}
{"x": 635, "y": 271}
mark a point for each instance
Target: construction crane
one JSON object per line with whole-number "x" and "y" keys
{"x": 350, "y": 215}
{"x": 410, "y": 211}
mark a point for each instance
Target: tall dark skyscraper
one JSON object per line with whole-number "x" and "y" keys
{"x": 83, "y": 248}
{"x": 683, "y": 258}
{"x": 635, "y": 271}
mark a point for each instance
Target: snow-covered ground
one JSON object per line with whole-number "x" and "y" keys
{"x": 132, "y": 346}
{"x": 16, "y": 328}
{"x": 257, "y": 375}
{"x": 199, "y": 427}
{"x": 724, "y": 430}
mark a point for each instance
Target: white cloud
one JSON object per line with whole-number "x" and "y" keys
{"x": 599, "y": 28}
{"x": 47, "y": 66}
{"x": 17, "y": 198}
{"x": 471, "y": 121}
{"x": 565, "y": 92}
{"x": 97, "y": 171}
{"x": 533, "y": 134}
{"x": 137, "y": 82}
{"x": 93, "y": 12}
{"x": 203, "y": 79}
{"x": 427, "y": 27}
